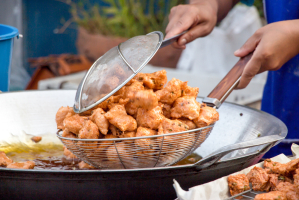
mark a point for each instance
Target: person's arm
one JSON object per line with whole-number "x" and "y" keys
{"x": 199, "y": 18}
{"x": 272, "y": 46}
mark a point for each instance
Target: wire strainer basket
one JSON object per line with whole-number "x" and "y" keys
{"x": 137, "y": 152}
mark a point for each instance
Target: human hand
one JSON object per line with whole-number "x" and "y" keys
{"x": 200, "y": 17}
{"x": 273, "y": 46}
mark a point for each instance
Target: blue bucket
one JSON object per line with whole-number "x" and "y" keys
{"x": 7, "y": 34}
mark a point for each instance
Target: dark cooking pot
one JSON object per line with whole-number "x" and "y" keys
{"x": 34, "y": 113}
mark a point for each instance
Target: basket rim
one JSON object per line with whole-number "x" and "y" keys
{"x": 133, "y": 138}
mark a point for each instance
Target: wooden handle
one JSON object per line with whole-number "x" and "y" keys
{"x": 224, "y": 87}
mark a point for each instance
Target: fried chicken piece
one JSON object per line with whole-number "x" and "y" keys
{"x": 259, "y": 178}
{"x": 174, "y": 141}
{"x": 275, "y": 179}
{"x": 115, "y": 131}
{"x": 4, "y": 160}
{"x": 111, "y": 100}
{"x": 289, "y": 189}
{"x": 98, "y": 117}
{"x": 272, "y": 167}
{"x": 74, "y": 123}
{"x": 22, "y": 165}
{"x": 166, "y": 109}
{"x": 118, "y": 117}
{"x": 292, "y": 166}
{"x": 154, "y": 80}
{"x": 146, "y": 99}
{"x": 189, "y": 123}
{"x": 121, "y": 92}
{"x": 185, "y": 107}
{"x": 171, "y": 92}
{"x": 207, "y": 116}
{"x": 61, "y": 115}
{"x": 238, "y": 183}
{"x": 124, "y": 152}
{"x": 68, "y": 154}
{"x": 274, "y": 195}
{"x": 84, "y": 165}
{"x": 131, "y": 107}
{"x": 128, "y": 134}
{"x": 150, "y": 118}
{"x": 296, "y": 177}
{"x": 66, "y": 133}
{"x": 89, "y": 131}
{"x": 145, "y": 143}
{"x": 104, "y": 144}
{"x": 189, "y": 91}
{"x": 36, "y": 139}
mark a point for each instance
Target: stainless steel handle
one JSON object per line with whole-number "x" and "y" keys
{"x": 171, "y": 40}
{"x": 214, "y": 157}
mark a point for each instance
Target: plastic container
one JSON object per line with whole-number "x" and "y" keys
{"x": 7, "y": 34}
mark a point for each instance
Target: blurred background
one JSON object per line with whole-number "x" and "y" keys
{"x": 62, "y": 38}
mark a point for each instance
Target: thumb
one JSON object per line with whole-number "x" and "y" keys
{"x": 248, "y": 47}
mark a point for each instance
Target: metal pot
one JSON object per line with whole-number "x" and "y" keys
{"x": 34, "y": 113}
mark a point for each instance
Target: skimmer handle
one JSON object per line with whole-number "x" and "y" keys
{"x": 171, "y": 40}
{"x": 214, "y": 157}
{"x": 227, "y": 84}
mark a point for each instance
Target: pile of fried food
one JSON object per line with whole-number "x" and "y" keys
{"x": 143, "y": 107}
{"x": 281, "y": 179}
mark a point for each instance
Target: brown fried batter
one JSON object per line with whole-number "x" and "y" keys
{"x": 289, "y": 189}
{"x": 272, "y": 167}
{"x": 145, "y": 143}
{"x": 238, "y": 183}
{"x": 274, "y": 195}
{"x": 296, "y": 177}
{"x": 104, "y": 144}
{"x": 189, "y": 91}
{"x": 188, "y": 122}
{"x": 115, "y": 131}
{"x": 118, "y": 117}
{"x": 84, "y": 165}
{"x": 185, "y": 107}
{"x": 74, "y": 123}
{"x": 36, "y": 139}
{"x": 111, "y": 100}
{"x": 22, "y": 165}
{"x": 61, "y": 115}
{"x": 275, "y": 179}
{"x": 171, "y": 92}
{"x": 89, "y": 131}
{"x": 66, "y": 133}
{"x": 166, "y": 109}
{"x": 146, "y": 99}
{"x": 128, "y": 134}
{"x": 207, "y": 116}
{"x": 154, "y": 80}
{"x": 98, "y": 117}
{"x": 68, "y": 154}
{"x": 259, "y": 178}
{"x": 132, "y": 108}
{"x": 4, "y": 160}
{"x": 150, "y": 118}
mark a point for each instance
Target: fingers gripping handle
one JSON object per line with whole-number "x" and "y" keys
{"x": 227, "y": 84}
{"x": 214, "y": 157}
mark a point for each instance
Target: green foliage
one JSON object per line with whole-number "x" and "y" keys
{"x": 124, "y": 18}
{"x": 259, "y": 5}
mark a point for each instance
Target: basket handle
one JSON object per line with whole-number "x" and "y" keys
{"x": 227, "y": 84}
{"x": 216, "y": 156}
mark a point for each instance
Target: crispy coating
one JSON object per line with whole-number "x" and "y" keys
{"x": 121, "y": 92}
{"x": 118, "y": 117}
{"x": 84, "y": 165}
{"x": 207, "y": 116}
{"x": 289, "y": 189}
{"x": 185, "y": 107}
{"x": 272, "y": 167}
{"x": 124, "y": 151}
{"x": 259, "y": 178}
{"x": 145, "y": 143}
{"x": 171, "y": 126}
{"x": 166, "y": 109}
{"x": 146, "y": 99}
{"x": 189, "y": 91}
{"x": 68, "y": 154}
{"x": 171, "y": 92}
{"x": 89, "y": 131}
{"x": 104, "y": 105}
{"x": 61, "y": 115}
{"x": 98, "y": 117}
{"x": 154, "y": 80}
{"x": 4, "y": 160}
{"x": 22, "y": 165}
{"x": 275, "y": 179}
{"x": 36, "y": 139}
{"x": 150, "y": 118}
{"x": 128, "y": 134}
{"x": 188, "y": 122}
{"x": 104, "y": 144}
{"x": 238, "y": 183}
{"x": 296, "y": 177}
{"x": 66, "y": 133}
{"x": 74, "y": 123}
{"x": 115, "y": 131}
{"x": 274, "y": 195}
{"x": 132, "y": 108}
